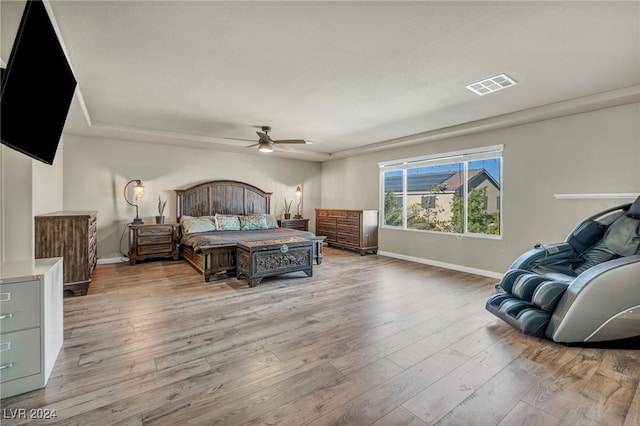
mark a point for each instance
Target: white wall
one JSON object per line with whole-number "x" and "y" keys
{"x": 96, "y": 171}
{"x": 27, "y": 188}
{"x": 584, "y": 153}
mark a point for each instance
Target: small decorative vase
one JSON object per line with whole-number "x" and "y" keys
{"x": 160, "y": 220}
{"x": 287, "y": 216}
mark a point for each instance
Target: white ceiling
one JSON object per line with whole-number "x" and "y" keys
{"x": 344, "y": 74}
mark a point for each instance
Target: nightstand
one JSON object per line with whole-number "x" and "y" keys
{"x": 299, "y": 224}
{"x": 149, "y": 240}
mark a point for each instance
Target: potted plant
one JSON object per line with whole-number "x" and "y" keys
{"x": 161, "y": 205}
{"x": 287, "y": 209}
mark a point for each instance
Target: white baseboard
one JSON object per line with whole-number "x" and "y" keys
{"x": 475, "y": 271}
{"x": 121, "y": 259}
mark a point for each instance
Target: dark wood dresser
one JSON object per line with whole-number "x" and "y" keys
{"x": 349, "y": 228}
{"x": 71, "y": 235}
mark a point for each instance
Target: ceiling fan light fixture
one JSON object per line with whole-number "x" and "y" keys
{"x": 265, "y": 147}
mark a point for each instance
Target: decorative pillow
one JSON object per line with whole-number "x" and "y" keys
{"x": 248, "y": 223}
{"x": 272, "y": 221}
{"x": 228, "y": 222}
{"x": 191, "y": 225}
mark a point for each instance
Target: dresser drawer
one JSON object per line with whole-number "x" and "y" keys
{"x": 160, "y": 249}
{"x": 19, "y": 354}
{"x": 349, "y": 230}
{"x": 19, "y": 306}
{"x": 337, "y": 213}
{"x": 351, "y": 239}
{"x": 154, "y": 239}
{"x": 326, "y": 222}
{"x": 349, "y": 222}
{"x": 155, "y": 230}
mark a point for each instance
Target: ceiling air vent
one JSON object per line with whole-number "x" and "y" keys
{"x": 491, "y": 84}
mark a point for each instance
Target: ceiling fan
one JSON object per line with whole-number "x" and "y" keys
{"x": 265, "y": 143}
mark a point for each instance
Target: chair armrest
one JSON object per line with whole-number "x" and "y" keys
{"x": 544, "y": 254}
{"x": 594, "y": 297}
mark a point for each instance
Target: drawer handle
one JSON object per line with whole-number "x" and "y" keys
{"x": 5, "y": 316}
{"x": 2, "y": 367}
{"x": 5, "y": 297}
{"x": 6, "y": 346}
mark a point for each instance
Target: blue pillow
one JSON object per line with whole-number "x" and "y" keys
{"x": 228, "y": 222}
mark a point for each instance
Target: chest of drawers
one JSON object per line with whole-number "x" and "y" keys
{"x": 31, "y": 323}
{"x": 151, "y": 240}
{"x": 73, "y": 236}
{"x": 349, "y": 228}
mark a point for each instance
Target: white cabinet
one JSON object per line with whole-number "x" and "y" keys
{"x": 31, "y": 323}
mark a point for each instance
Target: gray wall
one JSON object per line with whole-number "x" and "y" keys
{"x": 96, "y": 171}
{"x": 594, "y": 152}
{"x": 585, "y": 153}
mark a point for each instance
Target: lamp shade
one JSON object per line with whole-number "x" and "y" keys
{"x": 138, "y": 192}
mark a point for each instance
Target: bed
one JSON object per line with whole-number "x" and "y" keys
{"x": 213, "y": 252}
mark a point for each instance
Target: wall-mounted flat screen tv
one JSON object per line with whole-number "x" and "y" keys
{"x": 36, "y": 88}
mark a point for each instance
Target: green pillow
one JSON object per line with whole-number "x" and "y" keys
{"x": 272, "y": 222}
{"x": 248, "y": 223}
{"x": 227, "y": 222}
{"x": 191, "y": 225}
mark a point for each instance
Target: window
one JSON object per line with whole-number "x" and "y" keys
{"x": 429, "y": 201}
{"x": 457, "y": 193}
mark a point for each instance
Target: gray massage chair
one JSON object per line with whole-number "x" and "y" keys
{"x": 583, "y": 290}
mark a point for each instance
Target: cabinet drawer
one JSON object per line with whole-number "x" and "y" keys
{"x": 337, "y": 213}
{"x": 20, "y": 354}
{"x": 326, "y": 222}
{"x": 155, "y": 230}
{"x": 20, "y": 305}
{"x": 350, "y": 237}
{"x": 348, "y": 228}
{"x": 324, "y": 230}
{"x": 154, "y": 239}
{"x": 351, "y": 222}
{"x": 353, "y": 215}
{"x": 155, "y": 249}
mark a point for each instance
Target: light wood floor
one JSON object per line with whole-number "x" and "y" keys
{"x": 366, "y": 341}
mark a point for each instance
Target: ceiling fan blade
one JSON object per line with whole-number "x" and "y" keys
{"x": 292, "y": 141}
{"x": 252, "y": 146}
{"x": 284, "y": 148}
{"x": 238, "y": 139}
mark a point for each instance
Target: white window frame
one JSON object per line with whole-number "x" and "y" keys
{"x": 462, "y": 156}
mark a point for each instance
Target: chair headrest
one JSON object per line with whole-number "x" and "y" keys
{"x": 623, "y": 236}
{"x": 634, "y": 210}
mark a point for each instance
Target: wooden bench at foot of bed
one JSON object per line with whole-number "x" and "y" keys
{"x": 212, "y": 260}
{"x": 260, "y": 259}
{"x": 221, "y": 259}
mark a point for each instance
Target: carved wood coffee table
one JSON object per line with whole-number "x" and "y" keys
{"x": 256, "y": 260}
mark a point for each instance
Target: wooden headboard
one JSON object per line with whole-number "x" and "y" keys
{"x": 222, "y": 196}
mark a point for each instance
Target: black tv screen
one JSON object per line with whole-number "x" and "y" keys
{"x": 36, "y": 89}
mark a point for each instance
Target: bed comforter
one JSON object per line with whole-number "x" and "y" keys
{"x": 213, "y": 238}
